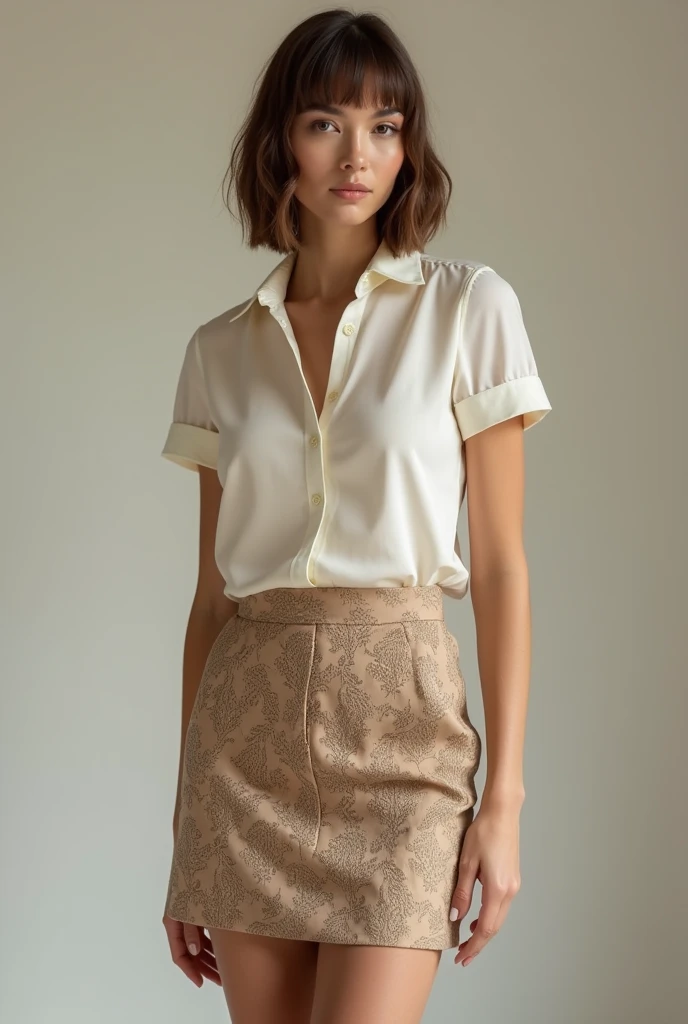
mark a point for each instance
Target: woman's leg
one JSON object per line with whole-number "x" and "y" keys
{"x": 265, "y": 980}
{"x": 372, "y": 984}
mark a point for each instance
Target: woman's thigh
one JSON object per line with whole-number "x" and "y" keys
{"x": 372, "y": 984}
{"x": 265, "y": 980}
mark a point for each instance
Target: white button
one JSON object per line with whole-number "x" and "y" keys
{"x": 283, "y": 322}
{"x": 316, "y": 499}
{"x": 364, "y": 277}
{"x": 333, "y": 396}
{"x": 315, "y": 441}
{"x": 349, "y": 328}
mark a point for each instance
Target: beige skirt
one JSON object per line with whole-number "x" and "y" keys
{"x": 328, "y": 771}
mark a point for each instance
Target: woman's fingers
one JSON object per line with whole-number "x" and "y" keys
{"x": 192, "y": 937}
{"x": 463, "y": 892}
{"x": 490, "y": 919}
{"x": 206, "y": 963}
{"x": 196, "y": 966}
{"x": 207, "y": 958}
{"x": 180, "y": 952}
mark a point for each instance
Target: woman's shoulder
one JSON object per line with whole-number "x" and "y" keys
{"x": 463, "y": 277}
{"x": 453, "y": 279}
{"x": 217, "y": 332}
{"x": 433, "y": 262}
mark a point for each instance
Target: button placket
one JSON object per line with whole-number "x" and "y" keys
{"x": 338, "y": 366}
{"x": 315, "y": 482}
{"x": 340, "y": 362}
{"x": 315, "y": 472}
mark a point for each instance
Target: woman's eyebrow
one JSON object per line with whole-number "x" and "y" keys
{"x": 384, "y": 112}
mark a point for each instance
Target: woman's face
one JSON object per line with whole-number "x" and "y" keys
{"x": 336, "y": 145}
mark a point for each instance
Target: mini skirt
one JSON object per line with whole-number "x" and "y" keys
{"x": 328, "y": 771}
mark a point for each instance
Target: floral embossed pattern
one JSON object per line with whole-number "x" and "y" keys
{"x": 328, "y": 775}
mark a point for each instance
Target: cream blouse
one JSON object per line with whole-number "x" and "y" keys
{"x": 430, "y": 352}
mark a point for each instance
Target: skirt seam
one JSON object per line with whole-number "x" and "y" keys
{"x": 307, "y": 737}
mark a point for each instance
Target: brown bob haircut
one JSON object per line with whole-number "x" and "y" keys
{"x": 333, "y": 57}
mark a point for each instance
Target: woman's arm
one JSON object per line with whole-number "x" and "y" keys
{"x": 501, "y": 602}
{"x": 209, "y": 613}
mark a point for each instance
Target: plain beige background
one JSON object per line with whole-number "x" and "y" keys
{"x": 563, "y": 126}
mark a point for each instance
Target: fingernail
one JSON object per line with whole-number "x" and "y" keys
{"x": 465, "y": 963}
{"x": 193, "y": 948}
{"x": 453, "y": 913}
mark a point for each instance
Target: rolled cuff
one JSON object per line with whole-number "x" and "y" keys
{"x": 191, "y": 446}
{"x": 524, "y": 395}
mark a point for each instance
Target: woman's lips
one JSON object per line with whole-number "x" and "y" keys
{"x": 349, "y": 193}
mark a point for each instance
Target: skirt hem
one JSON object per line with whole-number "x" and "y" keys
{"x": 253, "y": 930}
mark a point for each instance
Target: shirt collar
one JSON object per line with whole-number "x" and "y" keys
{"x": 406, "y": 269}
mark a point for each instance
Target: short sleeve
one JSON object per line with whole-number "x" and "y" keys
{"x": 495, "y": 376}
{"x": 192, "y": 438}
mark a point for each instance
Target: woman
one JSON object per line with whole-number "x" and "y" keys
{"x": 326, "y": 846}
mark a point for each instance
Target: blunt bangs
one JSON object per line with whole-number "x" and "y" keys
{"x": 348, "y": 74}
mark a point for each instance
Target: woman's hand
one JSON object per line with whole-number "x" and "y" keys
{"x": 190, "y": 946}
{"x": 183, "y": 939}
{"x": 490, "y": 855}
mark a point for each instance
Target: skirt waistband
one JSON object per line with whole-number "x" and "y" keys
{"x": 343, "y": 604}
